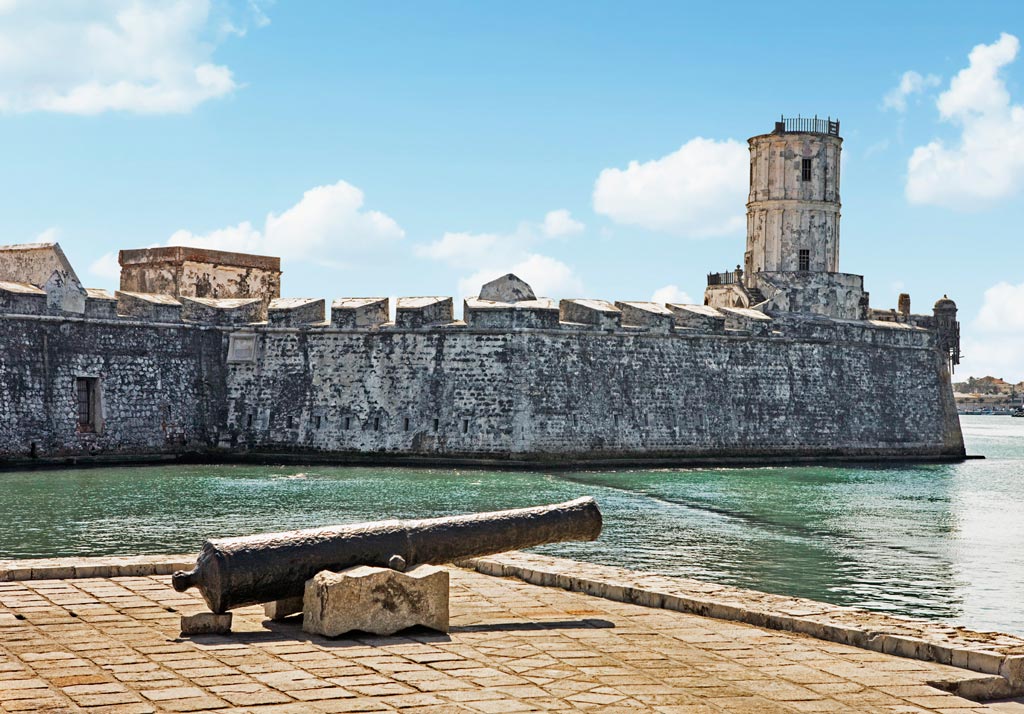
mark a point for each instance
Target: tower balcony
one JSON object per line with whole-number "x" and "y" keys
{"x": 807, "y": 125}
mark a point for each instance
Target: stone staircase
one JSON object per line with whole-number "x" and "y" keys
{"x": 755, "y": 296}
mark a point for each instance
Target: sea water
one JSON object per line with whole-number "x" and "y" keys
{"x": 945, "y": 542}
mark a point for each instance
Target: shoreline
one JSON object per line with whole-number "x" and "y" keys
{"x": 496, "y": 464}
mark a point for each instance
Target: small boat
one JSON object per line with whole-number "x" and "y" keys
{"x": 1018, "y": 412}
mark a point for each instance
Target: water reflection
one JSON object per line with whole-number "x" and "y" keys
{"x": 932, "y": 541}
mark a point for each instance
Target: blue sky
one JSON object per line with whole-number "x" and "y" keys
{"x": 421, "y": 148}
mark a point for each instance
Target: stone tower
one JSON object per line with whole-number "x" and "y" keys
{"x": 793, "y": 207}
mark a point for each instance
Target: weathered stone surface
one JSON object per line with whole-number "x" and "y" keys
{"x": 206, "y": 623}
{"x": 507, "y": 288}
{"x": 651, "y": 315}
{"x": 280, "y": 609}
{"x": 200, "y": 272}
{"x": 359, "y": 313}
{"x": 222, "y": 311}
{"x": 415, "y": 312}
{"x": 295, "y": 312}
{"x": 376, "y": 600}
{"x": 597, "y": 313}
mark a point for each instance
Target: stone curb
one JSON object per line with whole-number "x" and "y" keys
{"x": 102, "y": 567}
{"x": 999, "y": 655}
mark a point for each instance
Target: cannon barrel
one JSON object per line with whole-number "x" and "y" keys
{"x": 234, "y": 572}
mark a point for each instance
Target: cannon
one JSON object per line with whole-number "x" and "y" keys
{"x": 248, "y": 570}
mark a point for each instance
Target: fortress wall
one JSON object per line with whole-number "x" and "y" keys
{"x": 826, "y": 389}
{"x": 160, "y": 388}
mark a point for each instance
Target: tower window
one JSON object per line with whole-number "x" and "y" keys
{"x": 805, "y": 260}
{"x": 805, "y": 169}
{"x": 87, "y": 392}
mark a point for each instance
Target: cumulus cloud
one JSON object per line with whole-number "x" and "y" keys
{"x": 106, "y": 268}
{"x": 994, "y": 343}
{"x": 546, "y": 275}
{"x": 329, "y": 221}
{"x": 491, "y": 255}
{"x": 561, "y": 223}
{"x": 697, "y": 191}
{"x": 910, "y": 83}
{"x": 671, "y": 293}
{"x": 987, "y": 162}
{"x": 141, "y": 56}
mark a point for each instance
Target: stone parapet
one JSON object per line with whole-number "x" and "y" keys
{"x": 151, "y": 307}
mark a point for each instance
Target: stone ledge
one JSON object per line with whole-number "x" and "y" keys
{"x": 101, "y": 567}
{"x": 992, "y": 653}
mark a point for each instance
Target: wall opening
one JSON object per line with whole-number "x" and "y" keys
{"x": 805, "y": 169}
{"x": 805, "y": 259}
{"x": 465, "y": 426}
{"x": 291, "y": 422}
{"x": 317, "y": 420}
{"x": 87, "y": 392}
{"x": 615, "y": 420}
{"x": 405, "y": 424}
{"x": 248, "y": 420}
{"x": 437, "y": 425}
{"x": 376, "y": 423}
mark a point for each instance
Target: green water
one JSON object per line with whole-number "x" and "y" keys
{"x": 942, "y": 542}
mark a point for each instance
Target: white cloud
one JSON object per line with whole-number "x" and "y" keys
{"x": 987, "y": 163}
{"x": 106, "y": 268}
{"x": 328, "y": 223}
{"x": 561, "y": 223}
{"x": 142, "y": 56}
{"x": 697, "y": 191}
{"x": 1003, "y": 309}
{"x": 546, "y": 275}
{"x": 671, "y": 293}
{"x": 491, "y": 255}
{"x": 994, "y": 344}
{"x": 910, "y": 83}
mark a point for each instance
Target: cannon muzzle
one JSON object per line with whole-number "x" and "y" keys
{"x": 234, "y": 572}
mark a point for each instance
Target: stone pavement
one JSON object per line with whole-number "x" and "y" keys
{"x": 112, "y": 645}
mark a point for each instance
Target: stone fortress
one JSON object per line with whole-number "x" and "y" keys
{"x": 198, "y": 356}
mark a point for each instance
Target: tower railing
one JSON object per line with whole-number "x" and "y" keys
{"x": 807, "y": 125}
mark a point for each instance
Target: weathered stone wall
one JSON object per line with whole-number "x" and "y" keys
{"x": 838, "y": 295}
{"x": 808, "y": 388}
{"x": 161, "y": 388}
{"x": 728, "y": 383}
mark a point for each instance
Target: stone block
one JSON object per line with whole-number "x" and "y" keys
{"x": 596, "y": 313}
{"x": 295, "y": 312}
{"x": 415, "y": 312}
{"x": 359, "y": 313}
{"x": 280, "y": 609}
{"x": 651, "y": 315}
{"x": 507, "y": 288}
{"x": 380, "y": 601}
{"x": 222, "y": 311}
{"x": 150, "y": 307}
{"x": 206, "y": 623}
{"x": 700, "y": 318}
{"x": 526, "y": 314}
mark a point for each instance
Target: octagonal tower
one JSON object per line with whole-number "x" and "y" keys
{"x": 793, "y": 206}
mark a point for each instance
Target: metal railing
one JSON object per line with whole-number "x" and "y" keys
{"x": 730, "y": 277}
{"x": 808, "y": 125}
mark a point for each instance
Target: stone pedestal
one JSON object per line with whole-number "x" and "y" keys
{"x": 380, "y": 601}
{"x": 206, "y": 623}
{"x": 280, "y": 609}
